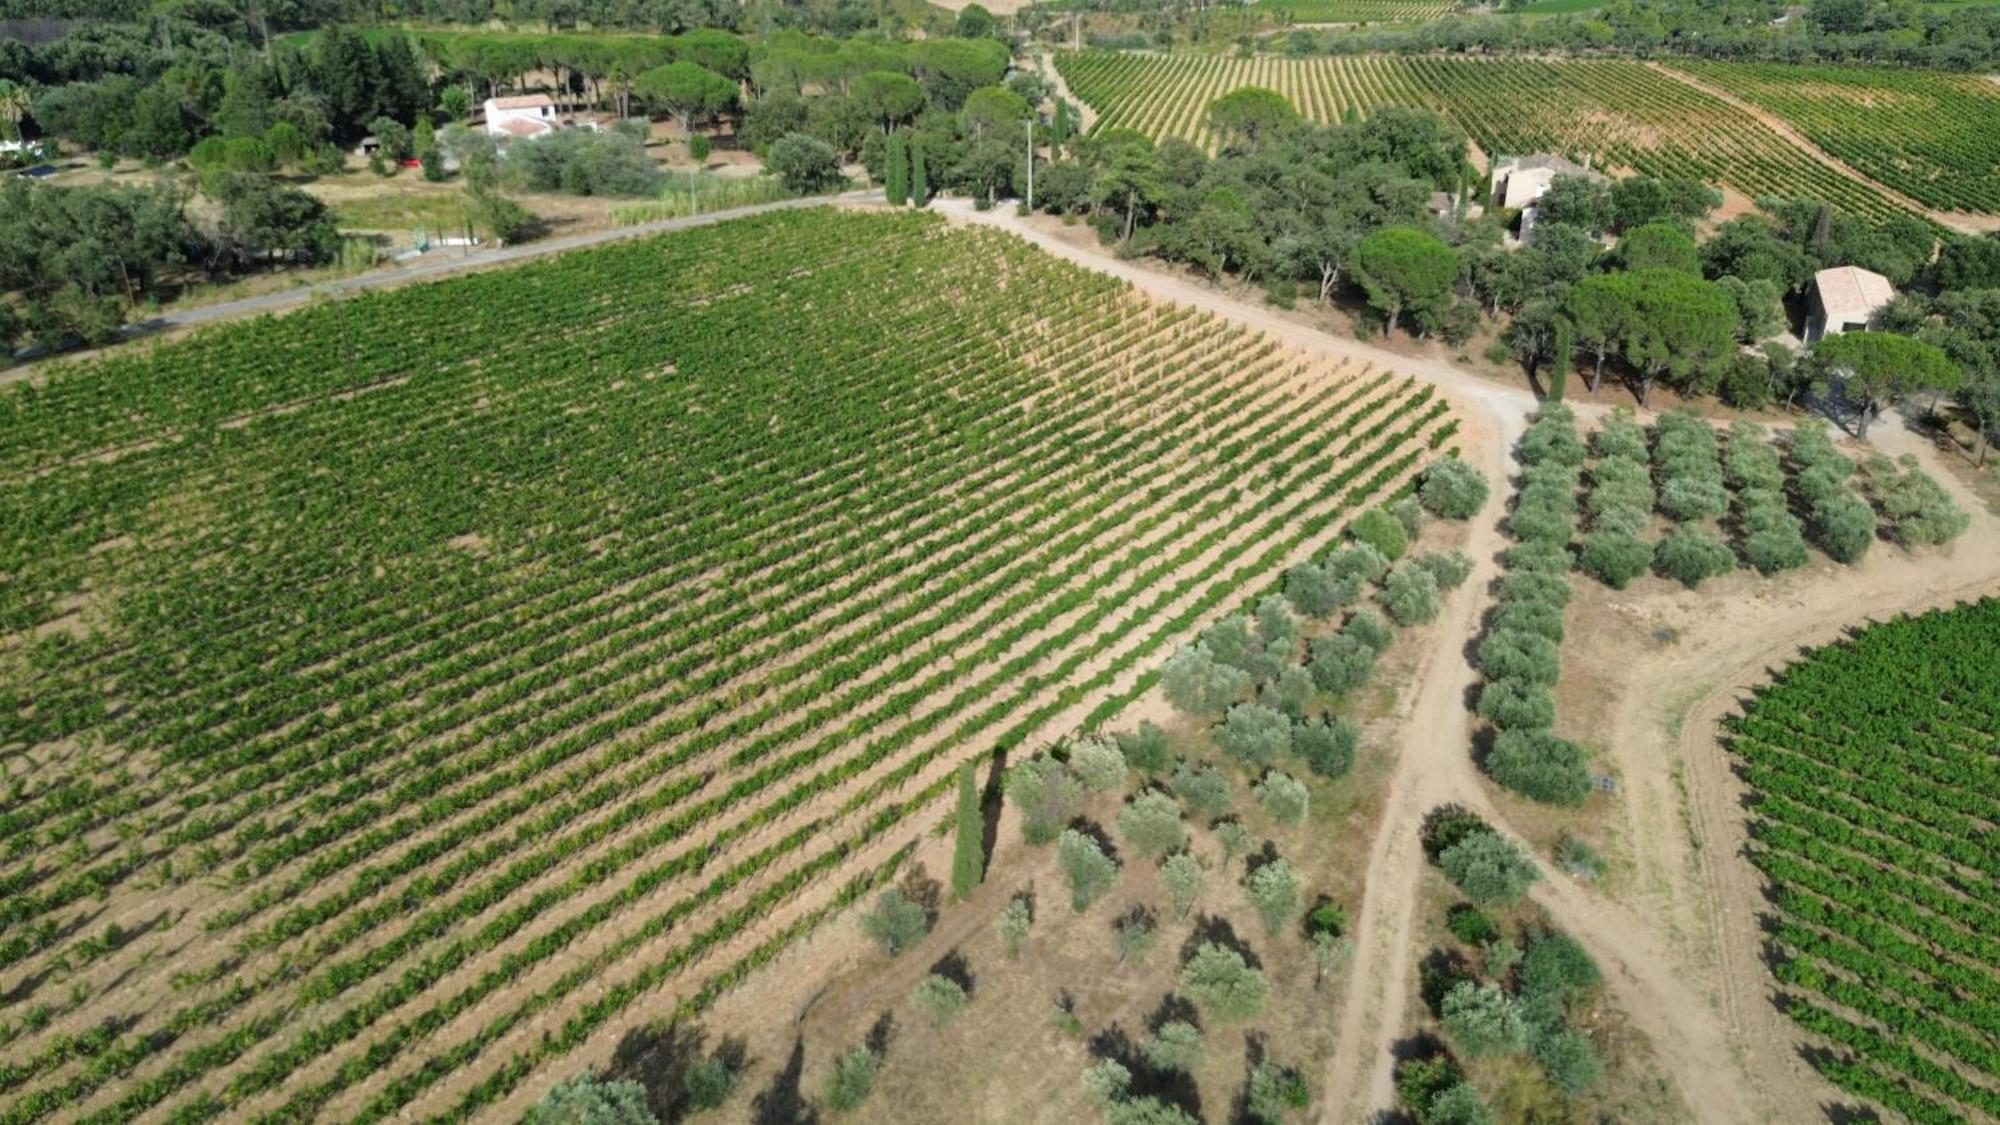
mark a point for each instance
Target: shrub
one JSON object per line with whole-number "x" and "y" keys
{"x": 895, "y": 923}
{"x": 1552, "y": 440}
{"x": 1615, "y": 558}
{"x": 1199, "y": 684}
{"x": 1470, "y": 924}
{"x": 1843, "y": 526}
{"x": 1184, "y": 877}
{"x": 1340, "y": 663}
{"x": 1255, "y": 735}
{"x": 1274, "y": 1090}
{"x": 1204, "y": 789}
{"x": 1532, "y": 617}
{"x": 1410, "y": 595}
{"x": 1090, "y": 872}
{"x": 1579, "y": 858}
{"x": 1146, "y": 749}
{"x": 1540, "y": 524}
{"x": 805, "y": 164}
{"x": 1369, "y": 628}
{"x": 580, "y": 162}
{"x": 1538, "y": 764}
{"x": 1097, "y": 764}
{"x": 1234, "y": 838}
{"x": 1047, "y": 795}
{"x": 1291, "y": 692}
{"x": 1451, "y": 489}
{"x": 1692, "y": 555}
{"x": 1446, "y": 825}
{"x": 1328, "y": 745}
{"x": 1620, "y": 483}
{"x": 708, "y": 1084}
{"x": 1775, "y": 548}
{"x": 1013, "y": 924}
{"x": 1459, "y": 1104}
{"x": 1177, "y": 1046}
{"x": 852, "y": 1078}
{"x": 1232, "y": 642}
{"x": 1449, "y": 569}
{"x": 1621, "y": 436}
{"x": 1218, "y": 979}
{"x": 1382, "y": 531}
{"x": 1285, "y": 799}
{"x": 1517, "y": 705}
{"x": 938, "y": 998}
{"x": 1536, "y": 586}
{"x": 1541, "y": 556}
{"x": 1489, "y": 867}
{"x": 1919, "y": 512}
{"x": 1316, "y": 592}
{"x": 1687, "y": 498}
{"x": 1357, "y": 562}
{"x": 1512, "y": 654}
{"x": 1623, "y": 520}
{"x": 589, "y": 1100}
{"x": 1410, "y": 513}
{"x": 1421, "y": 1080}
{"x": 1107, "y": 1082}
{"x": 1151, "y": 825}
{"x": 1572, "y": 1063}
{"x": 1274, "y": 891}
{"x": 1483, "y": 1020}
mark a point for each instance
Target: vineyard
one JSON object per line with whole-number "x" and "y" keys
{"x": 1620, "y": 113}
{"x": 1354, "y": 11}
{"x": 1917, "y": 131}
{"x": 1875, "y": 777}
{"x": 401, "y": 699}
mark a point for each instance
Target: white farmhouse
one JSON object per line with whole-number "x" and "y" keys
{"x": 528, "y": 115}
{"x": 1520, "y": 180}
{"x": 1845, "y": 299}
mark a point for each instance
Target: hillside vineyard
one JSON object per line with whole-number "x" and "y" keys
{"x": 404, "y": 693}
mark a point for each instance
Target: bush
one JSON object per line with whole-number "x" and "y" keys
{"x": 1449, "y": 569}
{"x": 1489, "y": 867}
{"x": 852, "y": 1078}
{"x": 1047, "y": 795}
{"x": 1151, "y": 825}
{"x": 1552, "y": 440}
{"x": 1204, "y": 789}
{"x": 580, "y": 162}
{"x": 1692, "y": 555}
{"x": 1621, "y": 436}
{"x": 1541, "y": 524}
{"x": 1197, "y": 683}
{"x": 1382, "y": 531}
{"x": 804, "y": 163}
{"x": 1357, "y": 562}
{"x": 1579, "y": 858}
{"x": 1537, "y": 587}
{"x": 1107, "y": 1082}
{"x": 1421, "y": 1080}
{"x": 1090, "y": 872}
{"x": 1459, "y": 1104}
{"x": 1482, "y": 1020}
{"x": 1532, "y": 617}
{"x": 1177, "y": 1046}
{"x": 1470, "y": 924}
{"x": 1615, "y": 558}
{"x": 1410, "y": 513}
{"x": 1517, "y": 705}
{"x": 1291, "y": 692}
{"x": 1340, "y": 663}
{"x": 1620, "y": 483}
{"x": 895, "y": 923}
{"x": 1218, "y": 979}
{"x": 1538, "y": 764}
{"x": 1255, "y": 735}
{"x": 1572, "y": 1063}
{"x": 1097, "y": 764}
{"x": 1512, "y": 654}
{"x": 938, "y": 998}
{"x": 1445, "y": 826}
{"x": 1316, "y": 592}
{"x": 1540, "y": 557}
{"x": 588, "y": 1100}
{"x": 1919, "y": 512}
{"x": 1623, "y": 519}
{"x": 1284, "y": 798}
{"x": 1013, "y": 924}
{"x": 1410, "y": 595}
{"x": 1451, "y": 489}
{"x": 1687, "y": 498}
{"x": 1273, "y": 1090}
{"x": 1368, "y": 627}
{"x": 708, "y": 1084}
{"x": 1328, "y": 745}
{"x": 1775, "y": 548}
{"x": 1146, "y": 749}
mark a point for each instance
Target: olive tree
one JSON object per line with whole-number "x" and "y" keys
{"x": 1090, "y": 872}
{"x": 1284, "y": 798}
{"x": 895, "y": 923}
{"x": 1482, "y": 1020}
{"x": 1177, "y": 1046}
{"x": 1184, "y": 877}
{"x": 1539, "y": 764}
{"x": 1151, "y": 825}
{"x": 1097, "y": 764}
{"x": 1274, "y": 891}
{"x": 1451, "y": 489}
{"x": 1489, "y": 867}
{"x": 589, "y": 1100}
{"x": 1047, "y": 795}
{"x": 1225, "y": 985}
{"x": 938, "y": 998}
{"x": 1255, "y": 734}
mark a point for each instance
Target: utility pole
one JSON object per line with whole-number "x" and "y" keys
{"x": 1031, "y": 164}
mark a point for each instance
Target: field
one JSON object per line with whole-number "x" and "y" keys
{"x": 485, "y": 668}
{"x": 1925, "y": 133}
{"x": 1619, "y": 112}
{"x": 1354, "y": 11}
{"x": 1872, "y": 764}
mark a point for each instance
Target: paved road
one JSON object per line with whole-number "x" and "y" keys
{"x": 446, "y": 263}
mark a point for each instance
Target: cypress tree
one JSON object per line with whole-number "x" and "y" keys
{"x": 1059, "y": 130}
{"x": 1559, "y": 363}
{"x": 968, "y": 859}
{"x": 898, "y": 173}
{"x": 920, "y": 186}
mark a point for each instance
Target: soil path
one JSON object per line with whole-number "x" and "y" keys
{"x": 1961, "y": 221}
{"x": 1085, "y": 112}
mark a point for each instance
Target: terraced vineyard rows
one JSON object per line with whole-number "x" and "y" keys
{"x": 1354, "y": 11}
{"x": 404, "y": 694}
{"x": 1878, "y": 793}
{"x": 1621, "y": 113}
{"x": 1930, "y": 135}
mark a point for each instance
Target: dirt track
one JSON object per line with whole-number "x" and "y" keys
{"x": 1681, "y": 960}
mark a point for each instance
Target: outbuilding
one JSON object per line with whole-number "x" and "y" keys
{"x": 525, "y": 115}
{"x": 1845, "y": 299}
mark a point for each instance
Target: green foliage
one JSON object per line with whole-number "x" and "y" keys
{"x": 1197, "y": 683}
{"x": 1146, "y": 749}
{"x": 1151, "y": 825}
{"x": 1013, "y": 924}
{"x": 1274, "y": 892}
{"x": 1421, "y": 1080}
{"x": 895, "y": 923}
{"x": 1184, "y": 877}
{"x": 805, "y": 164}
{"x": 851, "y": 1080}
{"x": 1357, "y": 562}
{"x": 1403, "y": 268}
{"x": 1314, "y": 591}
{"x": 1459, "y": 1104}
{"x": 1147, "y": 1111}
{"x": 1097, "y": 765}
{"x": 1341, "y": 663}
{"x": 1488, "y": 867}
{"x": 1449, "y": 569}
{"x": 1177, "y": 1046}
{"x": 1451, "y": 489}
{"x": 1482, "y": 1020}
{"x": 1274, "y": 1090}
{"x": 1284, "y": 798}
{"x": 1615, "y": 558}
{"x": 968, "y": 858}
{"x": 1410, "y": 594}
{"x": 1382, "y": 531}
{"x": 708, "y": 1084}
{"x": 1512, "y": 704}
{"x": 1578, "y": 858}
{"x": 1538, "y": 764}
{"x": 1327, "y": 744}
{"x": 1692, "y": 555}
{"x": 1250, "y": 114}
{"x": 1515, "y": 654}
{"x": 1471, "y": 925}
{"x": 588, "y": 1100}
{"x": 1226, "y": 987}
{"x": 1368, "y": 627}
{"x": 938, "y": 998}
{"x": 1573, "y": 1064}
{"x": 1089, "y": 871}
{"x": 1410, "y": 513}
{"x": 1135, "y": 933}
{"x": 1918, "y": 512}
{"x": 1255, "y": 735}
{"x": 1107, "y": 1082}
{"x": 1204, "y": 789}
{"x": 1047, "y": 794}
